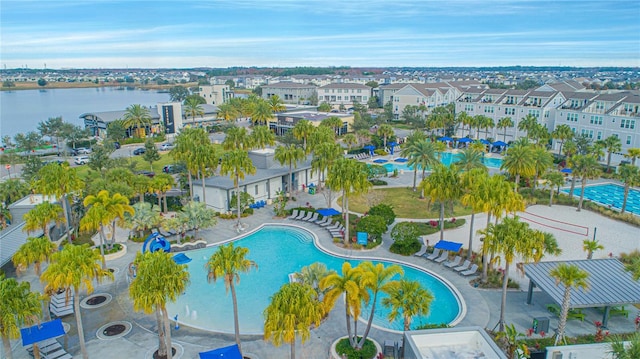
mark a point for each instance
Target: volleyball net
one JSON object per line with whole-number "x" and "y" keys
{"x": 555, "y": 224}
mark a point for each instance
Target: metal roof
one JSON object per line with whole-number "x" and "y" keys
{"x": 609, "y": 284}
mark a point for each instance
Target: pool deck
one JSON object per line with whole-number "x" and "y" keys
{"x": 483, "y": 306}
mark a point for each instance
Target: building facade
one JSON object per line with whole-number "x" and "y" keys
{"x": 290, "y": 92}
{"x": 345, "y": 94}
{"x": 215, "y": 94}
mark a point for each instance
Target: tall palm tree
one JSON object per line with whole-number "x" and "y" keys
{"x": 188, "y": 139}
{"x": 161, "y": 184}
{"x": 586, "y": 167}
{"x": 350, "y": 139}
{"x": 385, "y": 131}
{"x": 562, "y": 133}
{"x": 13, "y": 189}
{"x": 289, "y": 155}
{"x": 260, "y": 112}
{"x": 262, "y": 136}
{"x": 542, "y": 161}
{"x": 376, "y": 278}
{"x": 333, "y": 122}
{"x": 39, "y": 217}
{"x": 59, "y": 180}
{"x": 569, "y": 276}
{"x": 591, "y": 246}
{"x": 415, "y": 137}
{"x": 236, "y": 163}
{"x": 74, "y": 268}
{"x": 409, "y": 299}
{"x": 630, "y": 176}
{"x": 487, "y": 124}
{"x": 197, "y": 215}
{"x": 227, "y": 112}
{"x": 206, "y": 158}
{"x": 237, "y": 138}
{"x": 312, "y": 274}
{"x": 504, "y": 123}
{"x": 633, "y": 154}
{"x": 321, "y": 135}
{"x": 472, "y": 183}
{"x": 137, "y": 117}
{"x": 421, "y": 154}
{"x": 465, "y": 120}
{"x": 158, "y": 281}
{"x": 276, "y": 104}
{"x": 36, "y": 250}
{"x": 611, "y": 144}
{"x": 529, "y": 123}
{"x": 324, "y": 155}
{"x": 292, "y": 310}
{"x": 518, "y": 162}
{"x": 227, "y": 263}
{"x": 470, "y": 158}
{"x": 301, "y": 131}
{"x": 442, "y": 186}
{"x": 19, "y": 307}
{"x": 554, "y": 179}
{"x": 193, "y": 108}
{"x": 144, "y": 218}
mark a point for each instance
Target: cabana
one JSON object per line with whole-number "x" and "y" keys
{"x": 230, "y": 352}
{"x": 448, "y": 246}
{"x": 370, "y": 148}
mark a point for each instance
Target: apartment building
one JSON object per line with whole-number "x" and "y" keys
{"x": 284, "y": 122}
{"x": 215, "y": 94}
{"x": 429, "y": 95}
{"x": 290, "y": 92}
{"x": 346, "y": 94}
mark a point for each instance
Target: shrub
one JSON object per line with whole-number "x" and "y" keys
{"x": 368, "y": 350}
{"x": 432, "y": 326}
{"x": 378, "y": 182}
{"x": 375, "y": 226}
{"x": 385, "y": 211}
{"x": 405, "y": 247}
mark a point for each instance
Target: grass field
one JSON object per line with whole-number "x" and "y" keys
{"x": 140, "y": 164}
{"x": 405, "y": 203}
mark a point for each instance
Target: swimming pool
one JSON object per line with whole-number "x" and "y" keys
{"x": 609, "y": 194}
{"x": 279, "y": 250}
{"x": 446, "y": 158}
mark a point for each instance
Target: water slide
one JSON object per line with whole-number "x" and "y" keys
{"x": 156, "y": 242}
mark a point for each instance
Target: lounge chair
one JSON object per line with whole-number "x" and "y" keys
{"x": 313, "y": 218}
{"x": 335, "y": 226}
{"x": 471, "y": 271}
{"x": 462, "y": 267}
{"x": 322, "y": 221}
{"x": 443, "y": 257}
{"x": 328, "y": 223}
{"x": 454, "y": 262}
{"x": 421, "y": 252}
{"x": 307, "y": 217}
{"x": 301, "y": 215}
{"x": 435, "y": 254}
{"x": 338, "y": 230}
{"x": 294, "y": 214}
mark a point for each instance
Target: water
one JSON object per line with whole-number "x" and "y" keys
{"x": 21, "y": 111}
{"x": 278, "y": 251}
{"x": 447, "y": 158}
{"x": 610, "y": 195}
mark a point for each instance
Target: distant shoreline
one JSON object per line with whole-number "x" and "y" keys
{"x": 19, "y": 86}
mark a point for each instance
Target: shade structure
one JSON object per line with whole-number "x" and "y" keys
{"x": 231, "y": 352}
{"x": 380, "y": 160}
{"x": 499, "y": 143}
{"x": 328, "y": 211}
{"x": 400, "y": 160}
{"x": 445, "y": 139}
{"x": 392, "y": 146}
{"x": 44, "y": 331}
{"x": 566, "y": 170}
{"x": 370, "y": 148}
{"x": 448, "y": 246}
{"x": 181, "y": 258}
{"x": 464, "y": 140}
{"x": 485, "y": 142}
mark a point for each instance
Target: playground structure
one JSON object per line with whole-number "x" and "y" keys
{"x": 156, "y": 242}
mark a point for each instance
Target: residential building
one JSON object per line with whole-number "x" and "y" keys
{"x": 345, "y": 94}
{"x": 284, "y": 122}
{"x": 215, "y": 94}
{"x": 290, "y": 92}
{"x": 428, "y": 95}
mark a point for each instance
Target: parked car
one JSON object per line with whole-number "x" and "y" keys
{"x": 146, "y": 173}
{"x": 166, "y": 146}
{"x": 82, "y": 160}
{"x": 139, "y": 151}
{"x": 83, "y": 151}
{"x": 116, "y": 145}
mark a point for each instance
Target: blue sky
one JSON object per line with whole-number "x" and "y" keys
{"x": 224, "y": 33}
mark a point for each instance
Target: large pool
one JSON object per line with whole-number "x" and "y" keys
{"x": 446, "y": 158}
{"x": 609, "y": 194}
{"x": 279, "y": 250}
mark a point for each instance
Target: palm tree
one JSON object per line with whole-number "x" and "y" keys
{"x": 161, "y": 184}
{"x": 11, "y": 190}
{"x": 59, "y": 180}
{"x": 41, "y": 215}
{"x": 442, "y": 186}
{"x": 409, "y": 298}
{"x": 385, "y": 131}
{"x": 350, "y": 139}
{"x": 542, "y": 161}
{"x": 276, "y": 104}
{"x": 144, "y": 217}
{"x": 36, "y": 250}
{"x": 227, "y": 263}
{"x": 529, "y": 123}
{"x": 237, "y": 138}
{"x": 470, "y": 158}
{"x": 262, "y": 136}
{"x": 260, "y": 112}
{"x": 630, "y": 176}
{"x": 227, "y": 112}
{"x": 197, "y": 215}
{"x": 376, "y": 278}
{"x": 333, "y": 122}
{"x": 193, "y": 108}
{"x": 591, "y": 246}
{"x": 423, "y": 154}
{"x": 570, "y": 276}
{"x": 324, "y": 155}
{"x": 562, "y": 133}
{"x": 159, "y": 280}
{"x": 19, "y": 307}
{"x": 611, "y": 144}
{"x": 138, "y": 117}
{"x": 504, "y": 123}
{"x": 236, "y": 163}
{"x": 292, "y": 310}
{"x": 586, "y": 167}
{"x": 290, "y": 155}
{"x": 140, "y": 185}
{"x": 554, "y": 179}
{"x": 487, "y": 124}
{"x": 206, "y": 158}
{"x": 312, "y": 274}
{"x": 320, "y": 135}
{"x": 301, "y": 131}
{"x": 472, "y": 183}
{"x": 74, "y": 268}
{"x": 518, "y": 162}
{"x": 633, "y": 154}
{"x": 182, "y": 151}
{"x": 466, "y": 120}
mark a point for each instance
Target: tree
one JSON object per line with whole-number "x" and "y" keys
{"x": 28, "y": 142}
{"x": 586, "y": 167}
{"x": 74, "y": 268}
{"x": 554, "y": 179}
{"x": 143, "y": 218}
{"x": 290, "y": 155}
{"x": 193, "y": 108}
{"x": 324, "y": 156}
{"x": 621, "y": 350}
{"x": 412, "y": 116}
{"x": 276, "y": 104}
{"x": 442, "y": 186}
{"x": 198, "y": 216}
{"x": 373, "y": 102}
{"x": 262, "y": 136}
{"x": 562, "y": 133}
{"x": 350, "y": 140}
{"x": 185, "y": 143}
{"x": 151, "y": 152}
{"x": 633, "y": 154}
{"x": 19, "y": 307}
{"x": 59, "y": 180}
{"x": 630, "y": 176}
{"x": 410, "y": 150}
{"x": 236, "y": 163}
{"x": 138, "y": 118}
{"x": 385, "y": 131}
{"x": 611, "y": 144}
{"x": 42, "y": 82}
{"x": 99, "y": 158}
{"x": 227, "y": 263}
{"x": 472, "y": 183}
{"x": 569, "y": 276}
{"x": 470, "y": 158}
{"x": 504, "y": 123}
{"x": 409, "y": 299}
{"x": 333, "y": 122}
{"x": 528, "y": 123}
{"x": 36, "y": 250}
{"x": 519, "y": 161}
{"x": 591, "y": 246}
{"x": 227, "y": 112}
{"x": 237, "y": 138}
{"x": 159, "y": 280}
{"x": 73, "y": 133}
{"x": 8, "y": 84}
{"x": 292, "y": 310}
{"x": 324, "y": 107}
{"x": 11, "y": 190}
{"x": 40, "y": 216}
{"x": 301, "y": 131}
{"x": 542, "y": 161}
{"x": 178, "y": 93}
{"x": 52, "y": 128}
{"x": 161, "y": 184}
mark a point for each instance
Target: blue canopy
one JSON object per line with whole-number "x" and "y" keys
{"x": 181, "y": 258}
{"x": 392, "y": 146}
{"x": 485, "y": 142}
{"x": 380, "y": 160}
{"x": 445, "y": 139}
{"x": 400, "y": 160}
{"x": 44, "y": 331}
{"x": 566, "y": 170}
{"x": 464, "y": 140}
{"x": 499, "y": 143}
{"x": 231, "y": 352}
{"x": 370, "y": 148}
{"x": 328, "y": 212}
{"x": 448, "y": 246}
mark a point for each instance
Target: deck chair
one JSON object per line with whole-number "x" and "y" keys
{"x": 435, "y": 254}
{"x": 328, "y": 223}
{"x": 322, "y": 221}
{"x": 294, "y": 214}
{"x": 443, "y": 257}
{"x": 462, "y": 267}
{"x": 335, "y": 226}
{"x": 338, "y": 230}
{"x": 307, "y": 217}
{"x": 421, "y": 252}
{"x": 301, "y": 215}
{"x": 454, "y": 262}
{"x": 313, "y": 218}
{"x": 470, "y": 271}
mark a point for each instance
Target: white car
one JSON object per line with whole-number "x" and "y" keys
{"x": 82, "y": 160}
{"x": 83, "y": 150}
{"x": 166, "y": 146}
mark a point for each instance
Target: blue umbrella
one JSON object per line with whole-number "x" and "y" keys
{"x": 499, "y": 143}
{"x": 485, "y": 142}
{"x": 464, "y": 140}
{"x": 392, "y": 145}
{"x": 370, "y": 148}
{"x": 566, "y": 170}
{"x": 445, "y": 139}
{"x": 328, "y": 212}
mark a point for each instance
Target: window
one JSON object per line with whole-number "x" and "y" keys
{"x": 572, "y": 117}
{"x": 488, "y": 109}
{"x": 599, "y": 136}
{"x": 599, "y": 105}
{"x": 509, "y": 111}
{"x": 468, "y": 108}
{"x": 339, "y": 90}
{"x": 359, "y": 91}
{"x": 256, "y": 190}
{"x": 628, "y": 140}
{"x": 588, "y": 133}
{"x": 595, "y": 120}
{"x": 631, "y": 124}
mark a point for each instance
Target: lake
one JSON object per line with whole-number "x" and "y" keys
{"x": 21, "y": 111}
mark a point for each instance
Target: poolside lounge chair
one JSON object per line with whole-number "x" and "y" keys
{"x": 443, "y": 257}
{"x": 328, "y": 223}
{"x": 454, "y": 262}
{"x": 294, "y": 214}
{"x": 301, "y": 215}
{"x": 307, "y": 217}
{"x": 335, "y": 226}
{"x": 435, "y": 254}
{"x": 338, "y": 231}
{"x": 471, "y": 271}
{"x": 421, "y": 252}
{"x": 462, "y": 267}
{"x": 322, "y": 221}
{"x": 313, "y": 218}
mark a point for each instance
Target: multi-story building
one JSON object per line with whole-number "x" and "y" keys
{"x": 290, "y": 92}
{"x": 215, "y": 94}
{"x": 284, "y": 122}
{"x": 428, "y": 95}
{"x": 345, "y": 94}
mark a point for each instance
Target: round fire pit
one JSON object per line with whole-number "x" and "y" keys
{"x": 113, "y": 330}
{"x": 96, "y": 300}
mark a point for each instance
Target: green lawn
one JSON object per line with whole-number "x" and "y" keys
{"x": 405, "y": 203}
{"x": 141, "y": 165}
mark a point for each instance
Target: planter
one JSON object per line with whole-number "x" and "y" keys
{"x": 334, "y": 354}
{"x": 120, "y": 253}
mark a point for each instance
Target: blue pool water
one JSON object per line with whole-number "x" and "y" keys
{"x": 610, "y": 195}
{"x": 446, "y": 158}
{"x": 278, "y": 251}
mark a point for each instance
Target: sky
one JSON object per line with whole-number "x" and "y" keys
{"x": 60, "y": 34}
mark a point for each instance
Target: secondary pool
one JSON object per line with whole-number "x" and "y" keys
{"x": 279, "y": 251}
{"x": 446, "y": 158}
{"x": 609, "y": 194}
